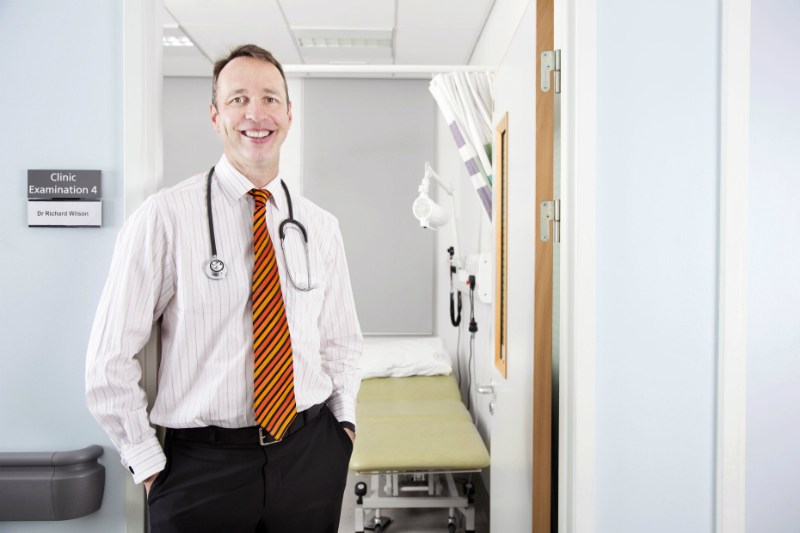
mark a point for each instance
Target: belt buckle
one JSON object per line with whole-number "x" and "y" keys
{"x": 263, "y": 435}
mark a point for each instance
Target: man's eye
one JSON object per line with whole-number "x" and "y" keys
{"x": 237, "y": 100}
{"x": 271, "y": 100}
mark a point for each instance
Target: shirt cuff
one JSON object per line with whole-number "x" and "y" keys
{"x": 343, "y": 408}
{"x": 144, "y": 459}
{"x": 348, "y": 425}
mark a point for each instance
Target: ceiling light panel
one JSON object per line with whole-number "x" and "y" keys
{"x": 342, "y": 37}
{"x": 180, "y": 53}
{"x": 339, "y": 13}
{"x": 177, "y": 41}
{"x": 344, "y": 44}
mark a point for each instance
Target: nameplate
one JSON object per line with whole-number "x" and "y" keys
{"x": 65, "y": 213}
{"x": 78, "y": 184}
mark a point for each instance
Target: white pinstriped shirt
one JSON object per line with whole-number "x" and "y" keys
{"x": 206, "y": 372}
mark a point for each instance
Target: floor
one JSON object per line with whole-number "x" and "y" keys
{"x": 404, "y": 520}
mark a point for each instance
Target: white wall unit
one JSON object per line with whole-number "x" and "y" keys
{"x": 512, "y": 423}
{"x": 657, "y": 238}
{"x": 773, "y": 286}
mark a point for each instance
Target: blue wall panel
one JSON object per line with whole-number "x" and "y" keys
{"x": 61, "y": 95}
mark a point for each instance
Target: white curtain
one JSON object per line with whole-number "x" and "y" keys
{"x": 465, "y": 100}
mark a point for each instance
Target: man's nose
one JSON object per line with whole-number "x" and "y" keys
{"x": 257, "y": 111}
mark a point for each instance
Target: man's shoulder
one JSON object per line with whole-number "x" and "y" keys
{"x": 188, "y": 186}
{"x": 165, "y": 200}
{"x": 169, "y": 198}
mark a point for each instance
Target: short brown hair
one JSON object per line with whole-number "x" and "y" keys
{"x": 246, "y": 50}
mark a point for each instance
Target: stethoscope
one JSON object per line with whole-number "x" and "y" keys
{"x": 216, "y": 268}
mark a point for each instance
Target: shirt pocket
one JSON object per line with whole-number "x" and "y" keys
{"x": 304, "y": 307}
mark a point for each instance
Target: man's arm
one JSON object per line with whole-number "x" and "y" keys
{"x": 138, "y": 288}
{"x": 340, "y": 335}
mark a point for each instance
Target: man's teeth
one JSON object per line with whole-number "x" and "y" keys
{"x": 257, "y": 134}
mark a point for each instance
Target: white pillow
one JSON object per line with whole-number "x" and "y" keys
{"x": 399, "y": 357}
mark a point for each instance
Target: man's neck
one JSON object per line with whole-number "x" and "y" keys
{"x": 258, "y": 176}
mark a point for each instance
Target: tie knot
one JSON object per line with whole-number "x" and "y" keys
{"x": 260, "y": 195}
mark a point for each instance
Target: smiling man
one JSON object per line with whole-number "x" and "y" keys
{"x": 260, "y": 338}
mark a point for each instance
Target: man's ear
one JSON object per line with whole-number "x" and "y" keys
{"x": 214, "y": 117}
{"x": 290, "y": 116}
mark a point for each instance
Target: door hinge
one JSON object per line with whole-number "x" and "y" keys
{"x": 550, "y": 210}
{"x": 551, "y": 61}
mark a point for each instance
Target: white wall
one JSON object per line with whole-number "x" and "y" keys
{"x": 365, "y": 144}
{"x": 499, "y": 31}
{"x": 511, "y": 507}
{"x": 475, "y": 237}
{"x": 62, "y": 95}
{"x": 657, "y": 224}
{"x": 191, "y": 145}
{"x": 773, "y": 312}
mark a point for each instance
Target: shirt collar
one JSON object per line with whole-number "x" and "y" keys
{"x": 234, "y": 184}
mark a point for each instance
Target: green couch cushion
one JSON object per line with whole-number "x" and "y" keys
{"x": 413, "y": 387}
{"x": 416, "y": 409}
{"x": 410, "y": 444}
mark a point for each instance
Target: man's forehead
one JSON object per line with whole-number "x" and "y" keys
{"x": 242, "y": 73}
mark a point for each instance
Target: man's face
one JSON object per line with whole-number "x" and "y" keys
{"x": 251, "y": 114}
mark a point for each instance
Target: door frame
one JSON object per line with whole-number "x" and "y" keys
{"x": 575, "y": 34}
{"x": 734, "y": 170}
{"x": 142, "y": 61}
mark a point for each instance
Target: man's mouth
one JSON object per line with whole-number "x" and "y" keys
{"x": 257, "y": 134}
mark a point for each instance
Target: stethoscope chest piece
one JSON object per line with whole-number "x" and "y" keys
{"x": 216, "y": 269}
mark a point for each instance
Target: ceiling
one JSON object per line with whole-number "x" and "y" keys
{"x": 372, "y": 32}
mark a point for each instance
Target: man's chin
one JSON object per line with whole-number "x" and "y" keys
{"x": 256, "y": 157}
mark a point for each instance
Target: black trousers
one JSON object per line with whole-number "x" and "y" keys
{"x": 295, "y": 485}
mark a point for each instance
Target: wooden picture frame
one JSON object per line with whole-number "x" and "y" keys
{"x": 500, "y": 187}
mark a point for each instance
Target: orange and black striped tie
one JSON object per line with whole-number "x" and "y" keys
{"x": 275, "y": 407}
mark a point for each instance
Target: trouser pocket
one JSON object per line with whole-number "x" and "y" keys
{"x": 161, "y": 478}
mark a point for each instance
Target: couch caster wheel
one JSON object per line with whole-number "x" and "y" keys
{"x": 379, "y": 524}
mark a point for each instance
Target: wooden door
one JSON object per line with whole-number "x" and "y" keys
{"x": 543, "y": 292}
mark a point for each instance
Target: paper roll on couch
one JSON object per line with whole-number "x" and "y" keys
{"x": 50, "y": 486}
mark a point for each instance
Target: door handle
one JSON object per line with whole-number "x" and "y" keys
{"x": 485, "y": 389}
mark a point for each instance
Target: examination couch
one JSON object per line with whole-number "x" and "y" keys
{"x": 414, "y": 434}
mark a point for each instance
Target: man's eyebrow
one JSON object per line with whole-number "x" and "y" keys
{"x": 265, "y": 90}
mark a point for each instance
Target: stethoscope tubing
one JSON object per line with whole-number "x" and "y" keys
{"x": 281, "y": 233}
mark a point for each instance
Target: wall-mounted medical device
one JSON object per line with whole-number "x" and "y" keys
{"x": 433, "y": 216}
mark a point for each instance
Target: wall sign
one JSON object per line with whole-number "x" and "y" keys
{"x": 64, "y": 198}
{"x": 65, "y": 213}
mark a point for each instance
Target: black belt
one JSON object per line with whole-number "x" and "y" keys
{"x": 251, "y": 435}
